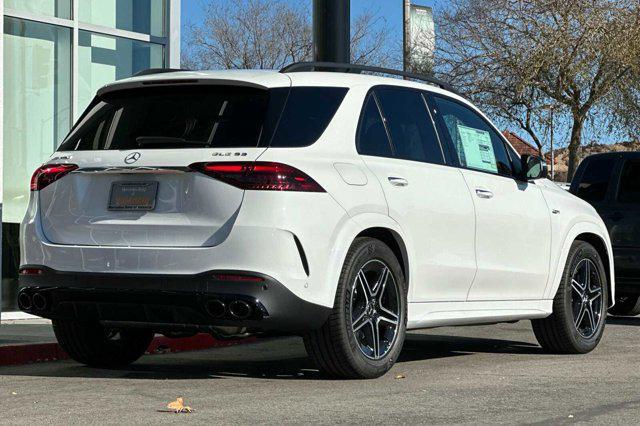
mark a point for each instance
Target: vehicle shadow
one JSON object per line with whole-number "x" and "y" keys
{"x": 281, "y": 358}
{"x": 623, "y": 320}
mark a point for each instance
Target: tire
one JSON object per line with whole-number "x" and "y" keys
{"x": 559, "y": 333}
{"x": 337, "y": 348}
{"x": 91, "y": 344}
{"x": 626, "y": 305}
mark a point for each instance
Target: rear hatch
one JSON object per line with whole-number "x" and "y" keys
{"x": 133, "y": 148}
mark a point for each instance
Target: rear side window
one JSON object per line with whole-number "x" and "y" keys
{"x": 630, "y": 183}
{"x": 476, "y": 143}
{"x": 595, "y": 180}
{"x": 372, "y": 136}
{"x": 412, "y": 134}
{"x": 201, "y": 116}
{"x": 306, "y": 115}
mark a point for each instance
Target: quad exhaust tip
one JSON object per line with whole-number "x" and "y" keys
{"x": 24, "y": 301}
{"x": 40, "y": 302}
{"x": 35, "y": 302}
{"x": 239, "y": 309}
{"x": 215, "y": 308}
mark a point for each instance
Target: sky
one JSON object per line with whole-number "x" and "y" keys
{"x": 391, "y": 10}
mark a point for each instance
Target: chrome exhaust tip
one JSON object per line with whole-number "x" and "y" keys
{"x": 24, "y": 301}
{"x": 239, "y": 309}
{"x": 215, "y": 308}
{"x": 40, "y": 302}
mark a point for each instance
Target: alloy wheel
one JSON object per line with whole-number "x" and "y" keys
{"x": 586, "y": 298}
{"x": 375, "y": 309}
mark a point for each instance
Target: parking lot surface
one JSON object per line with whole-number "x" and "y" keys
{"x": 487, "y": 374}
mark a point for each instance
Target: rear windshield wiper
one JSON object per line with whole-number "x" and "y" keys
{"x": 167, "y": 140}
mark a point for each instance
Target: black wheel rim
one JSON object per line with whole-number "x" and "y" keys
{"x": 375, "y": 309}
{"x": 586, "y": 298}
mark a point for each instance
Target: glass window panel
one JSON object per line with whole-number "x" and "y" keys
{"x": 37, "y": 99}
{"x": 141, "y": 16}
{"x": 104, "y": 59}
{"x": 57, "y": 8}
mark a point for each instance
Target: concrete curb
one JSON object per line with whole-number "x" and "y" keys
{"x": 43, "y": 352}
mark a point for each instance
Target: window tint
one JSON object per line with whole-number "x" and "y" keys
{"x": 630, "y": 183}
{"x": 595, "y": 179}
{"x": 409, "y": 124}
{"x": 372, "y": 137}
{"x": 203, "y": 116}
{"x": 477, "y": 145}
{"x": 307, "y": 114}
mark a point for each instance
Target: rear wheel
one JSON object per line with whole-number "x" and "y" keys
{"x": 364, "y": 334}
{"x": 579, "y": 308}
{"x": 626, "y": 305}
{"x": 92, "y": 344}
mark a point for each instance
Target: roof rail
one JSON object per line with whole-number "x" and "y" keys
{"x": 355, "y": 68}
{"x": 151, "y": 71}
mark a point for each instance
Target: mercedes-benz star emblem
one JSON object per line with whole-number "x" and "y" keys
{"x": 132, "y": 158}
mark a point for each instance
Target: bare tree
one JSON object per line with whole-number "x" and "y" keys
{"x": 518, "y": 56}
{"x": 269, "y": 34}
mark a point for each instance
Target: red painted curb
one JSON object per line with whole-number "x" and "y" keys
{"x": 42, "y": 352}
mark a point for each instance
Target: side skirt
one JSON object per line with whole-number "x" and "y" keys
{"x": 441, "y": 314}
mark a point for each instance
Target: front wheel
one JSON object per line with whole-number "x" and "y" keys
{"x": 579, "y": 307}
{"x": 364, "y": 333}
{"x": 92, "y": 344}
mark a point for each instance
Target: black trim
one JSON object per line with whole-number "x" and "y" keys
{"x": 171, "y": 302}
{"x": 152, "y": 71}
{"x": 357, "y": 68}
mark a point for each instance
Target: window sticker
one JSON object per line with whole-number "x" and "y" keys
{"x": 478, "y": 149}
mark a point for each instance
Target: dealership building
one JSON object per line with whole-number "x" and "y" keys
{"x": 55, "y": 54}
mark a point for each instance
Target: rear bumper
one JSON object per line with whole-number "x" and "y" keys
{"x": 169, "y": 302}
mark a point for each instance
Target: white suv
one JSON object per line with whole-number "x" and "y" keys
{"x": 346, "y": 208}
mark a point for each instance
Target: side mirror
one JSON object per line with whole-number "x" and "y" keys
{"x": 533, "y": 167}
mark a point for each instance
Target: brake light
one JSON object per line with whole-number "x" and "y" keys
{"x": 48, "y": 173}
{"x": 259, "y": 176}
{"x": 31, "y": 271}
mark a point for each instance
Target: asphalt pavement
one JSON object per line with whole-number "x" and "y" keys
{"x": 485, "y": 374}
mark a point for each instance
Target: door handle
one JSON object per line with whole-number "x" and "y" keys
{"x": 484, "y": 193}
{"x": 398, "y": 181}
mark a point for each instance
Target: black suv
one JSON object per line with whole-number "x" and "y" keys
{"x": 611, "y": 183}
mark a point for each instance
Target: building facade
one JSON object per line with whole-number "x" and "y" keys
{"x": 54, "y": 56}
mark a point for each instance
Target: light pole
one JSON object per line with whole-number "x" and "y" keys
{"x": 331, "y": 31}
{"x": 406, "y": 11}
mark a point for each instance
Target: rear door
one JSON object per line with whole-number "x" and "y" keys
{"x": 513, "y": 224}
{"x": 429, "y": 199}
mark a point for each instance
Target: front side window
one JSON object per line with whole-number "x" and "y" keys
{"x": 410, "y": 127}
{"x": 477, "y": 144}
{"x": 595, "y": 180}
{"x": 630, "y": 183}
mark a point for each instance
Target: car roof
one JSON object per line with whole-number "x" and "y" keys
{"x": 272, "y": 79}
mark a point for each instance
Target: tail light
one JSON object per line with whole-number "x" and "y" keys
{"x": 31, "y": 271}
{"x": 48, "y": 173}
{"x": 259, "y": 176}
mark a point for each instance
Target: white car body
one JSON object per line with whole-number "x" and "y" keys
{"x": 476, "y": 247}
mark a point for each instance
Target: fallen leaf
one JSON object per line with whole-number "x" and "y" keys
{"x": 400, "y": 376}
{"x": 178, "y": 406}
{"x": 14, "y": 393}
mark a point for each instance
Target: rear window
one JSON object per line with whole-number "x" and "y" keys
{"x": 630, "y": 183}
{"x": 595, "y": 179}
{"x": 205, "y": 117}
